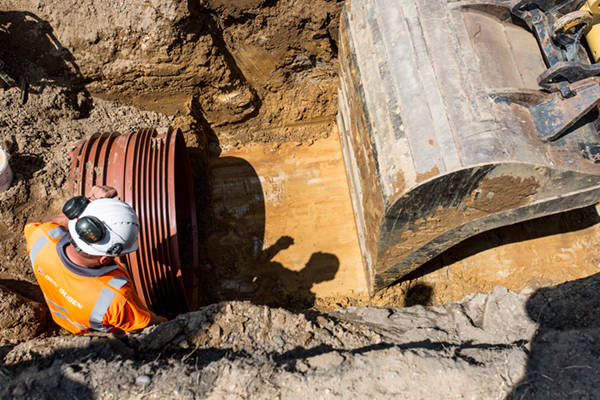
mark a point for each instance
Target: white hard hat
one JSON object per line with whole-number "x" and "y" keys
{"x": 118, "y": 225}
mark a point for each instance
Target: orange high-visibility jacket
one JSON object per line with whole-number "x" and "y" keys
{"x": 82, "y": 299}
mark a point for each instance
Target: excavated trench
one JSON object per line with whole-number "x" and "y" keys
{"x": 253, "y": 87}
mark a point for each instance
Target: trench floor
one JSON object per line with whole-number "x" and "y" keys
{"x": 286, "y": 230}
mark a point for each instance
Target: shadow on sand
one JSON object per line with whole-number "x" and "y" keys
{"x": 564, "y": 362}
{"x": 241, "y": 265}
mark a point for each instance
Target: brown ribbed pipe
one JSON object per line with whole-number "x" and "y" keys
{"x": 151, "y": 172}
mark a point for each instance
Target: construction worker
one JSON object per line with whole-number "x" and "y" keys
{"x": 74, "y": 261}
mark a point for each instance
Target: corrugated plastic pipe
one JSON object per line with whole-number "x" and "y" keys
{"x": 151, "y": 172}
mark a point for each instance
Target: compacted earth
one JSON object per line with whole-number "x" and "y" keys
{"x": 232, "y": 74}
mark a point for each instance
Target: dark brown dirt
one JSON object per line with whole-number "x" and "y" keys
{"x": 20, "y": 319}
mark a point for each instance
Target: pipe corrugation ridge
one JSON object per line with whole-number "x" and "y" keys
{"x": 173, "y": 242}
{"x": 160, "y": 148}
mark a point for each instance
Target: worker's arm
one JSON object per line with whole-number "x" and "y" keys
{"x": 131, "y": 315}
{"x": 97, "y": 192}
{"x": 282, "y": 243}
{"x": 60, "y": 219}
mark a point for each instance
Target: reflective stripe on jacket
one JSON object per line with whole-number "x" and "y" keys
{"x": 82, "y": 299}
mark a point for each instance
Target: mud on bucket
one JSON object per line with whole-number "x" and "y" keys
{"x": 6, "y": 176}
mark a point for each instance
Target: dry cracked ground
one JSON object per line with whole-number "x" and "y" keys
{"x": 231, "y": 74}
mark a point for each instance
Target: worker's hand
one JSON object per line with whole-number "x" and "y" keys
{"x": 157, "y": 320}
{"x": 100, "y": 192}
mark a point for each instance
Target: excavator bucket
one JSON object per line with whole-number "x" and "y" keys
{"x": 458, "y": 117}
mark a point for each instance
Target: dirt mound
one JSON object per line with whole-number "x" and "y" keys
{"x": 505, "y": 344}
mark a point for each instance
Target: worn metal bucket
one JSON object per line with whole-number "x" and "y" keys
{"x": 6, "y": 175}
{"x": 453, "y": 123}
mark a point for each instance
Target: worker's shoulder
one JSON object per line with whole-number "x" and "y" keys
{"x": 46, "y": 226}
{"x": 123, "y": 295}
{"x": 51, "y": 229}
{"x": 118, "y": 281}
